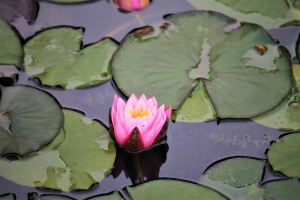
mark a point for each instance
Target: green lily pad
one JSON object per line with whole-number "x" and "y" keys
{"x": 9, "y": 196}
{"x": 30, "y": 119}
{"x": 239, "y": 178}
{"x": 267, "y": 13}
{"x": 172, "y": 189}
{"x": 284, "y": 155}
{"x": 54, "y": 56}
{"x": 9, "y": 71}
{"x": 296, "y": 74}
{"x": 285, "y": 116}
{"x": 236, "y": 178}
{"x": 282, "y": 190}
{"x": 11, "y": 48}
{"x": 35, "y": 196}
{"x": 83, "y": 158}
{"x": 168, "y": 63}
{"x": 197, "y": 108}
{"x": 113, "y": 196}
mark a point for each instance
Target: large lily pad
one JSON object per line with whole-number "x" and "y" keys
{"x": 239, "y": 178}
{"x": 197, "y": 108}
{"x": 284, "y": 155}
{"x": 85, "y": 156}
{"x": 285, "y": 116}
{"x": 9, "y": 71}
{"x": 172, "y": 189}
{"x": 168, "y": 63}
{"x": 30, "y": 119}
{"x": 235, "y": 178}
{"x": 267, "y": 13}
{"x": 11, "y": 48}
{"x": 113, "y": 196}
{"x": 54, "y": 56}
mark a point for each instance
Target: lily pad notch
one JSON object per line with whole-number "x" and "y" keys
{"x": 57, "y": 58}
{"x": 168, "y": 62}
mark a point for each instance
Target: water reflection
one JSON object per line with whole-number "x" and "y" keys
{"x": 142, "y": 166}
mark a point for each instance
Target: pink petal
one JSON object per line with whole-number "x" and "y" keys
{"x": 150, "y": 120}
{"x": 116, "y": 98}
{"x": 169, "y": 111}
{"x": 142, "y": 125}
{"x": 120, "y": 114}
{"x": 135, "y": 4}
{"x": 132, "y": 101}
{"x": 154, "y": 102}
{"x": 149, "y": 103}
{"x": 120, "y": 104}
{"x": 143, "y": 97}
{"x": 120, "y": 133}
{"x": 153, "y": 111}
{"x": 113, "y": 115}
{"x": 149, "y": 137}
{"x": 161, "y": 108}
{"x": 141, "y": 104}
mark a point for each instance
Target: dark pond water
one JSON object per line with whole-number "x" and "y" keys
{"x": 190, "y": 147}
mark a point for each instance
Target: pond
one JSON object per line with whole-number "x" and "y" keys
{"x": 201, "y": 147}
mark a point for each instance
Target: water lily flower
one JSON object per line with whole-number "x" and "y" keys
{"x": 131, "y": 5}
{"x": 139, "y": 123}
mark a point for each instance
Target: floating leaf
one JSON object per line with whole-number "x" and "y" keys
{"x": 30, "y": 119}
{"x": 167, "y": 63}
{"x": 197, "y": 108}
{"x": 239, "y": 178}
{"x": 282, "y": 190}
{"x": 296, "y": 74}
{"x": 9, "y": 196}
{"x": 235, "y": 178}
{"x": 285, "y": 116}
{"x": 269, "y": 14}
{"x": 9, "y": 71}
{"x": 55, "y": 57}
{"x": 11, "y": 48}
{"x": 284, "y": 155}
{"x": 85, "y": 156}
{"x": 172, "y": 189}
{"x": 34, "y": 196}
{"x": 113, "y": 196}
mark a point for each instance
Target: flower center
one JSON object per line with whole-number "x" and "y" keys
{"x": 137, "y": 112}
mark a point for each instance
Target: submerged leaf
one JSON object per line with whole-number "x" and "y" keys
{"x": 172, "y": 189}
{"x": 54, "y": 56}
{"x": 11, "y": 48}
{"x": 240, "y": 80}
{"x": 30, "y": 119}
{"x": 284, "y": 155}
{"x": 83, "y": 158}
{"x": 9, "y": 196}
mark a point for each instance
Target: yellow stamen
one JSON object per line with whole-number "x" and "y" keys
{"x": 131, "y": 113}
{"x": 143, "y": 113}
{"x": 148, "y": 112}
{"x": 137, "y": 112}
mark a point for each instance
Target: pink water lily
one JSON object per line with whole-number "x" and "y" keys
{"x": 132, "y": 5}
{"x": 139, "y": 123}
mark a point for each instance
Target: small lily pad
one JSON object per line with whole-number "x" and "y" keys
{"x": 9, "y": 196}
{"x": 173, "y": 189}
{"x": 54, "y": 56}
{"x": 269, "y": 14}
{"x": 296, "y": 74}
{"x": 30, "y": 119}
{"x": 9, "y": 71}
{"x": 241, "y": 80}
{"x": 11, "y": 48}
{"x": 236, "y": 178}
{"x": 284, "y": 155}
{"x": 83, "y": 158}
{"x": 35, "y": 196}
{"x": 197, "y": 108}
